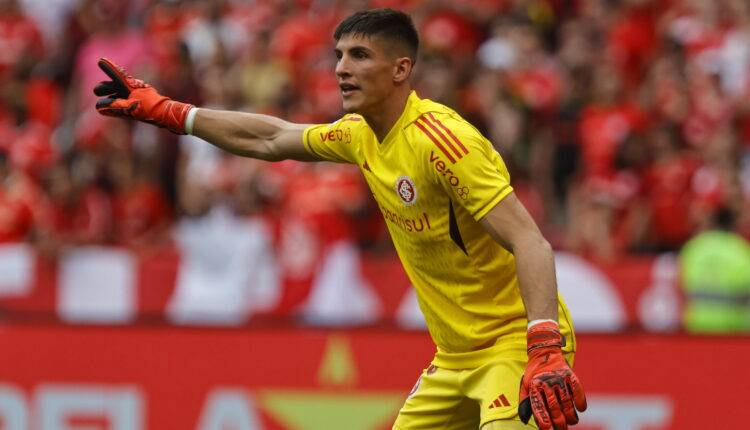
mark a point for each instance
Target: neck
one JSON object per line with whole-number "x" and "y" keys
{"x": 382, "y": 121}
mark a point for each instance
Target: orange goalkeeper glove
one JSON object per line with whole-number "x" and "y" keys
{"x": 549, "y": 388}
{"x": 125, "y": 96}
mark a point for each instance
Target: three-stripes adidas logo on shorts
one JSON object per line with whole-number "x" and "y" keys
{"x": 499, "y": 401}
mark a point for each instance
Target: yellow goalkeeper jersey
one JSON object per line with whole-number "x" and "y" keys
{"x": 434, "y": 177}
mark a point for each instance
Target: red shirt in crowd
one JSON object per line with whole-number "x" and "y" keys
{"x": 16, "y": 218}
{"x": 86, "y": 220}
{"x": 139, "y": 213}
{"x": 601, "y": 130}
{"x": 19, "y": 37}
{"x": 668, "y": 186}
{"x": 539, "y": 87}
{"x": 632, "y": 42}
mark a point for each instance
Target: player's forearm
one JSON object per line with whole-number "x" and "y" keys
{"x": 510, "y": 224}
{"x": 245, "y": 134}
{"x": 535, "y": 268}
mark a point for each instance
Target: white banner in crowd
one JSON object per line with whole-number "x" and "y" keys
{"x": 16, "y": 269}
{"x": 340, "y": 294}
{"x": 97, "y": 285}
{"x": 590, "y": 296}
{"x": 227, "y": 271}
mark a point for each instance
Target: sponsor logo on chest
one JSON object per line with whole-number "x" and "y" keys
{"x": 416, "y": 225}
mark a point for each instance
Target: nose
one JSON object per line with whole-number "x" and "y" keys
{"x": 342, "y": 67}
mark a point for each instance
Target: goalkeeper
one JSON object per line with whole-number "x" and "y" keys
{"x": 483, "y": 273}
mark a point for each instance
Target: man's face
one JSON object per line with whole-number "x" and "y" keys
{"x": 364, "y": 71}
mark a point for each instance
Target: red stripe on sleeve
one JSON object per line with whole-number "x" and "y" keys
{"x": 435, "y": 141}
{"x": 442, "y": 136}
{"x": 450, "y": 133}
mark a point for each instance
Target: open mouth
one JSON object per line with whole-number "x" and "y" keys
{"x": 348, "y": 89}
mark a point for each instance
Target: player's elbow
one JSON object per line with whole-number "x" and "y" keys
{"x": 543, "y": 244}
{"x": 261, "y": 149}
{"x": 531, "y": 240}
{"x": 271, "y": 153}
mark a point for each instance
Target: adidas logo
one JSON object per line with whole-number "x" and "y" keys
{"x": 499, "y": 401}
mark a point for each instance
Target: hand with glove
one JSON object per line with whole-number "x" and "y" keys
{"x": 125, "y": 96}
{"x": 549, "y": 388}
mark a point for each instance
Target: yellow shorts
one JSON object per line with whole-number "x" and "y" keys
{"x": 467, "y": 398}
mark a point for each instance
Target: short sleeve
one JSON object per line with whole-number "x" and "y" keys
{"x": 466, "y": 164}
{"x": 336, "y": 141}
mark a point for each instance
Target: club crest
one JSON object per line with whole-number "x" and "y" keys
{"x": 406, "y": 190}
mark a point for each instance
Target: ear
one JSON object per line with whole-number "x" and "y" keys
{"x": 402, "y": 69}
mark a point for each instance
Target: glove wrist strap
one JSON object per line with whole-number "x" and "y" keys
{"x": 190, "y": 120}
{"x": 532, "y": 323}
{"x": 175, "y": 116}
{"x": 544, "y": 335}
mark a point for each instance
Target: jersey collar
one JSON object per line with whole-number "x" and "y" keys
{"x": 409, "y": 114}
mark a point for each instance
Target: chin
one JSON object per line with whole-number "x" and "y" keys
{"x": 350, "y": 107}
{"x": 353, "y": 103}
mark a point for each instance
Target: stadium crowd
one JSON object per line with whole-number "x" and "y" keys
{"x": 625, "y": 123}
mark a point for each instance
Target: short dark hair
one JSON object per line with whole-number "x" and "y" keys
{"x": 386, "y": 23}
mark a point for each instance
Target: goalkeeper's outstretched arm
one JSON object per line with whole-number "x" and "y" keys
{"x": 250, "y": 135}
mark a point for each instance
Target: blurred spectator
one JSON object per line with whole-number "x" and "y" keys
{"x": 108, "y": 36}
{"x": 140, "y": 210}
{"x": 607, "y": 122}
{"x": 669, "y": 191}
{"x": 227, "y": 270}
{"x": 21, "y": 43}
{"x": 75, "y": 211}
{"x": 715, "y": 268}
{"x": 264, "y": 80}
{"x": 16, "y": 217}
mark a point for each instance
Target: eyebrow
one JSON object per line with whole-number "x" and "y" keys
{"x": 353, "y": 48}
